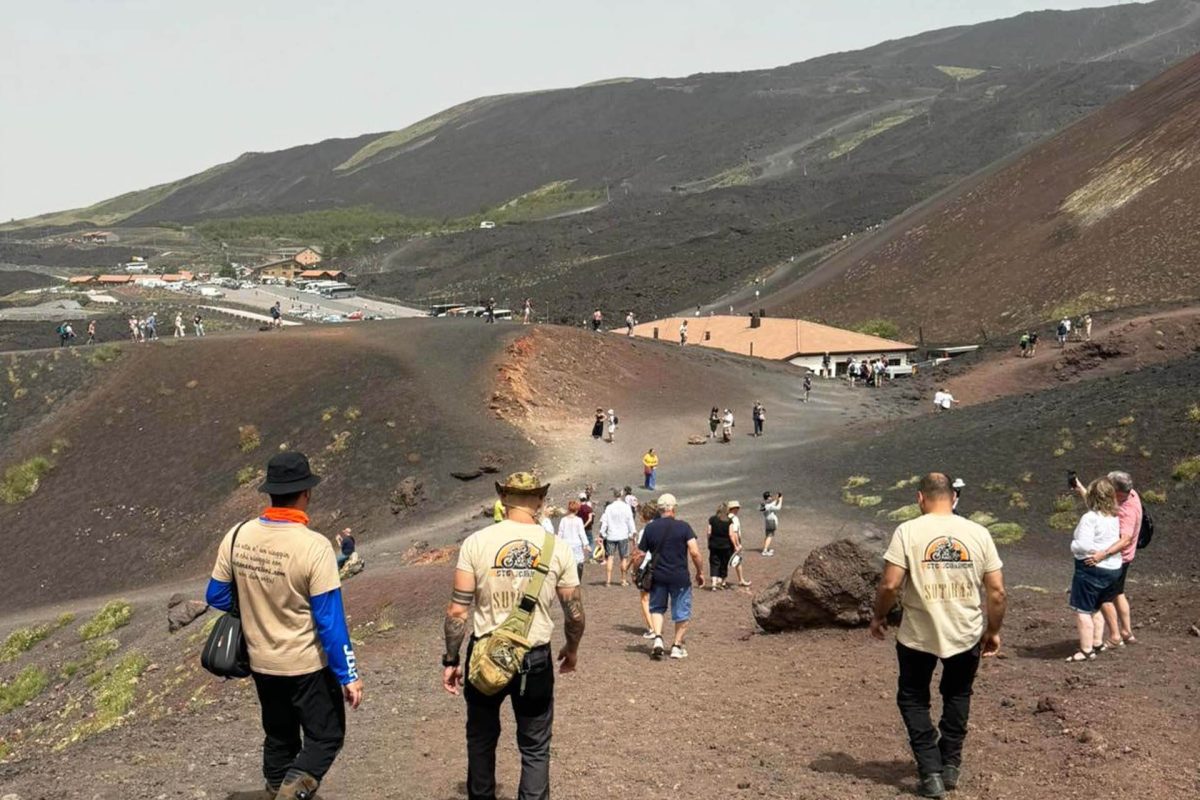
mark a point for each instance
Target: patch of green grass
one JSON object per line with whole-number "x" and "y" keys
{"x": 5, "y": 750}
{"x": 352, "y": 413}
{"x": 1125, "y": 422}
{"x": 340, "y": 442}
{"x": 861, "y": 500}
{"x": 961, "y": 73}
{"x": 883, "y": 328}
{"x": 1193, "y": 412}
{"x": 328, "y": 414}
{"x": 1026, "y": 477}
{"x": 993, "y": 485}
{"x": 248, "y": 438}
{"x": 905, "y": 483}
{"x": 247, "y": 475}
{"x": 855, "y": 481}
{"x": 25, "y": 686}
{"x": 1064, "y": 520}
{"x": 855, "y": 139}
{"x": 1064, "y": 502}
{"x": 22, "y": 480}
{"x": 983, "y": 518}
{"x": 115, "y": 614}
{"x": 1017, "y": 500}
{"x": 95, "y": 652}
{"x": 1187, "y": 469}
{"x": 103, "y": 354}
{"x": 113, "y": 693}
{"x": 905, "y": 513}
{"x": 23, "y": 639}
{"x": 418, "y": 130}
{"x": 1145, "y": 452}
{"x": 1006, "y": 532}
{"x": 1154, "y": 497}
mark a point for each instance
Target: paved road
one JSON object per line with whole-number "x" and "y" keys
{"x": 296, "y": 302}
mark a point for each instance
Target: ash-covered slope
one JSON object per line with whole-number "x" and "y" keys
{"x": 1101, "y": 216}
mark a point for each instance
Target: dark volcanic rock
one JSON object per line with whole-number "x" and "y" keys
{"x": 182, "y": 614}
{"x": 834, "y": 587}
{"x": 408, "y": 494}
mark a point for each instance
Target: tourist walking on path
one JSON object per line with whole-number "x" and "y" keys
{"x": 570, "y": 531}
{"x": 301, "y": 657}
{"x": 612, "y": 425}
{"x": 630, "y": 322}
{"x": 489, "y": 311}
{"x": 597, "y": 320}
{"x": 807, "y": 386}
{"x": 735, "y": 526}
{"x": 1096, "y": 547}
{"x": 649, "y": 469}
{"x": 943, "y": 400}
{"x": 714, "y": 422}
{"x": 937, "y": 564}
{"x": 1033, "y": 342}
{"x": 1129, "y": 515}
{"x": 770, "y": 510}
{"x": 180, "y": 332}
{"x": 616, "y": 529}
{"x": 1023, "y": 344}
{"x": 647, "y": 514}
{"x": 598, "y": 424}
{"x": 91, "y": 330}
{"x": 683, "y": 333}
{"x": 759, "y": 414}
{"x": 826, "y": 366}
{"x": 198, "y": 324}
{"x": 721, "y": 547}
{"x": 1087, "y": 327}
{"x": 727, "y": 426}
{"x": 670, "y": 543}
{"x": 503, "y": 572}
{"x": 527, "y": 312}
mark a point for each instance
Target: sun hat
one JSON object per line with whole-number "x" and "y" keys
{"x": 583, "y": 495}
{"x": 732, "y": 504}
{"x": 959, "y": 483}
{"x": 522, "y": 483}
{"x": 735, "y": 559}
{"x": 288, "y": 473}
{"x": 667, "y": 501}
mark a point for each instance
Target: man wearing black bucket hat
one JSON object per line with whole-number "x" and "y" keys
{"x": 504, "y": 570}
{"x": 290, "y": 601}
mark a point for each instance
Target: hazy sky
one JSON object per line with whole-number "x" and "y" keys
{"x": 99, "y": 97}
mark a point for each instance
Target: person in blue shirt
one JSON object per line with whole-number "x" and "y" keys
{"x": 284, "y": 579}
{"x": 670, "y": 543}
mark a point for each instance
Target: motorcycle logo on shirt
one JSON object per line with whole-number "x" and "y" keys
{"x": 946, "y": 550}
{"x": 517, "y": 559}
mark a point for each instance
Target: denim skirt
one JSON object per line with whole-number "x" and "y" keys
{"x": 1088, "y": 585}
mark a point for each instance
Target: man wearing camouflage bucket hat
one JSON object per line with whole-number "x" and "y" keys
{"x": 496, "y": 570}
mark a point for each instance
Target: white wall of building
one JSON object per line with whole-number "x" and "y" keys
{"x": 839, "y": 360}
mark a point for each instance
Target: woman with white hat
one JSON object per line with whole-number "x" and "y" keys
{"x": 612, "y": 424}
{"x": 735, "y": 533}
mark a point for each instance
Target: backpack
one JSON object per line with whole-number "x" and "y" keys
{"x": 61, "y": 330}
{"x": 1146, "y": 533}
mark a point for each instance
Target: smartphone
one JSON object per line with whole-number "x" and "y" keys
{"x": 1072, "y": 479}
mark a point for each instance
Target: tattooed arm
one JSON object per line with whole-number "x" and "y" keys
{"x": 573, "y": 624}
{"x": 455, "y": 627}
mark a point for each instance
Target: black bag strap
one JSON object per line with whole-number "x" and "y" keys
{"x": 235, "y": 611}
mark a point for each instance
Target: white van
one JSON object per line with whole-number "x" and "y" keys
{"x": 211, "y": 291}
{"x": 487, "y": 225}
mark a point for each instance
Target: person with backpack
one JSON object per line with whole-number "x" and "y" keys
{"x": 807, "y": 386}
{"x": 508, "y": 576}
{"x": 283, "y": 578}
{"x": 670, "y": 543}
{"x": 1132, "y": 520}
{"x": 63, "y": 335}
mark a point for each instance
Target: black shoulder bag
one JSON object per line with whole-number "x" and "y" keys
{"x": 225, "y": 654}
{"x": 643, "y": 579}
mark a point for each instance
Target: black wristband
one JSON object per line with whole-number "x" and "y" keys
{"x": 448, "y": 661}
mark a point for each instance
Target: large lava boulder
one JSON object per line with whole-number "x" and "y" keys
{"x": 834, "y": 587}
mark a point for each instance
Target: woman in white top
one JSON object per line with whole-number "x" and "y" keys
{"x": 612, "y": 424}
{"x": 727, "y": 426}
{"x": 572, "y": 534}
{"x": 770, "y": 512}
{"x": 648, "y": 512}
{"x": 1095, "y": 570}
{"x": 735, "y": 533}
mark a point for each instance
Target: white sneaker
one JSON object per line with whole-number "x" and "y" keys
{"x": 656, "y": 652}
{"x": 678, "y": 651}
{"x": 648, "y": 635}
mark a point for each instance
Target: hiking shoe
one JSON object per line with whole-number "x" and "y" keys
{"x": 950, "y": 776}
{"x": 297, "y": 785}
{"x": 931, "y": 785}
{"x": 656, "y": 652}
{"x": 649, "y": 635}
{"x": 678, "y": 651}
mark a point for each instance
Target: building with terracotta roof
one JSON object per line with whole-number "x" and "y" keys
{"x": 323, "y": 275}
{"x": 81, "y": 279}
{"x": 796, "y": 341}
{"x": 115, "y": 279}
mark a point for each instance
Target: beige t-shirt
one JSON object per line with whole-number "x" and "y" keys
{"x": 278, "y": 567}
{"x": 946, "y": 557}
{"x": 501, "y": 557}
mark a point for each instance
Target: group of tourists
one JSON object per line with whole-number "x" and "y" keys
{"x": 604, "y": 425}
{"x": 1082, "y": 329}
{"x": 145, "y": 329}
{"x": 868, "y": 371}
{"x": 1028, "y": 344}
{"x": 723, "y": 420}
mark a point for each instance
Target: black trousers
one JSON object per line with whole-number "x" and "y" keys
{"x": 718, "y": 562}
{"x": 310, "y": 704}
{"x": 956, "y": 687}
{"x": 534, "y": 710}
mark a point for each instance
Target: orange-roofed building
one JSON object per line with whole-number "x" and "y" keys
{"x": 796, "y": 341}
{"x": 81, "y": 279}
{"x": 115, "y": 279}
{"x": 323, "y": 275}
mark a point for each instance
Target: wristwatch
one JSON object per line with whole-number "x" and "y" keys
{"x": 451, "y": 661}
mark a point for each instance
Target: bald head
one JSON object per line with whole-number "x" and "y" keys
{"x": 935, "y": 494}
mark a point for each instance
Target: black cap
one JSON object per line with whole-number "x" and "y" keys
{"x": 288, "y": 473}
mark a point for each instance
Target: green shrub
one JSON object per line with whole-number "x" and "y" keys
{"x": 1125, "y": 422}
{"x": 115, "y": 614}
{"x": 905, "y": 513}
{"x": 855, "y": 481}
{"x": 247, "y": 475}
{"x": 1154, "y": 497}
{"x": 1187, "y": 469}
{"x": 1017, "y": 500}
{"x": 983, "y": 518}
{"x": 905, "y": 483}
{"x": 995, "y": 486}
{"x": 352, "y": 413}
{"x": 1006, "y": 532}
{"x": 1064, "y": 520}
{"x": 22, "y": 639}
{"x": 95, "y": 652}
{"x": 248, "y": 438}
{"x": 25, "y": 686}
{"x": 1064, "y": 502}
{"x": 103, "y": 354}
{"x": 22, "y": 480}
{"x": 115, "y": 691}
{"x": 883, "y": 328}
{"x": 1193, "y": 413}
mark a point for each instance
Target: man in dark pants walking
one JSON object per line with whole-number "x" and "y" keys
{"x": 290, "y": 601}
{"x": 941, "y": 561}
{"x": 495, "y": 568}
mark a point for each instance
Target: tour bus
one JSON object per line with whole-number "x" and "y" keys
{"x": 442, "y": 309}
{"x": 338, "y": 290}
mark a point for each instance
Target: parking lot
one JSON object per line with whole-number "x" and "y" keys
{"x": 296, "y": 303}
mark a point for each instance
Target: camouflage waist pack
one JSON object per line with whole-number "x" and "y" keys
{"x": 497, "y": 657}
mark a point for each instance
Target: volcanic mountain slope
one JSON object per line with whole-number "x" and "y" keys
{"x": 700, "y": 131}
{"x": 1102, "y": 216}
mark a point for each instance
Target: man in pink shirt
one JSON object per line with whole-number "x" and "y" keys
{"x": 1129, "y": 513}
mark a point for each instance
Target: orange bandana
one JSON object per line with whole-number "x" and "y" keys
{"x": 284, "y": 515}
